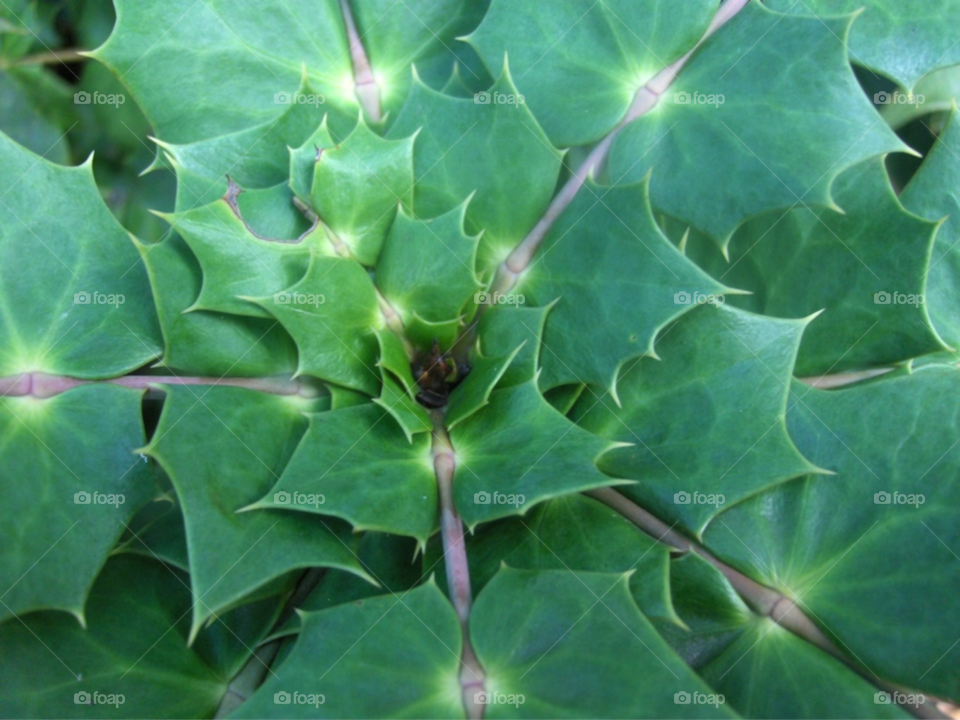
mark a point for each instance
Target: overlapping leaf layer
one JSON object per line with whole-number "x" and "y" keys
{"x": 352, "y": 181}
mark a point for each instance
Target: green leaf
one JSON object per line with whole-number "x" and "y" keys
{"x": 70, "y": 483}
{"x": 474, "y": 392}
{"x": 157, "y": 532}
{"x": 497, "y": 151}
{"x": 358, "y": 185}
{"x": 873, "y": 565}
{"x": 303, "y": 160}
{"x": 366, "y": 470}
{"x": 233, "y": 56}
{"x": 332, "y": 314}
{"x": 574, "y": 644}
{"x": 718, "y": 164}
{"x": 572, "y": 532}
{"x": 579, "y": 64}
{"x": 206, "y": 343}
{"x": 865, "y": 268}
{"x": 518, "y": 451}
{"x": 902, "y": 44}
{"x": 597, "y": 323}
{"x": 238, "y": 264}
{"x": 933, "y": 194}
{"x": 389, "y": 656}
{"x": 706, "y": 422}
{"x": 256, "y": 157}
{"x": 223, "y": 448}
{"x": 503, "y": 328}
{"x": 427, "y": 266}
{"x": 134, "y": 645}
{"x": 90, "y": 313}
{"x": 408, "y": 413}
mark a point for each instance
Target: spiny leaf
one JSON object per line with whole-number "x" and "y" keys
{"x": 718, "y": 163}
{"x": 496, "y": 150}
{"x": 852, "y": 570}
{"x": 206, "y": 343}
{"x": 427, "y": 266}
{"x": 70, "y": 483}
{"x": 887, "y": 37}
{"x": 706, "y": 422}
{"x": 367, "y": 471}
{"x": 223, "y": 448}
{"x": 358, "y": 185}
{"x": 618, "y": 280}
{"x": 518, "y": 447}
{"x": 89, "y": 314}
{"x": 866, "y": 268}
{"x": 933, "y": 194}
{"x": 572, "y": 644}
{"x": 579, "y": 64}
{"x": 332, "y": 315}
{"x": 134, "y": 645}
{"x": 474, "y": 393}
{"x": 238, "y": 264}
{"x": 389, "y": 656}
{"x": 503, "y": 328}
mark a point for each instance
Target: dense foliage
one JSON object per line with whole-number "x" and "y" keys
{"x": 447, "y": 358}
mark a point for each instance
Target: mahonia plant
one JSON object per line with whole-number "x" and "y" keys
{"x": 499, "y": 359}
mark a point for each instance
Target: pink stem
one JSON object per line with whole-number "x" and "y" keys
{"x": 365, "y": 85}
{"x": 42, "y": 385}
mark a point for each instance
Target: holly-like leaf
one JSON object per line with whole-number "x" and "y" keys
{"x": 865, "y": 268}
{"x": 614, "y": 297}
{"x": 69, "y": 481}
{"x": 366, "y": 470}
{"x": 241, "y": 62}
{"x": 518, "y": 451}
{"x": 474, "y": 392}
{"x": 427, "y": 266}
{"x": 715, "y": 140}
{"x": 238, "y": 264}
{"x": 495, "y": 150}
{"x": 257, "y": 157}
{"x": 389, "y": 656}
{"x": 572, "y": 532}
{"x": 896, "y": 484}
{"x": 332, "y": 314}
{"x": 503, "y": 328}
{"x": 207, "y": 343}
{"x": 903, "y": 44}
{"x": 409, "y": 414}
{"x": 89, "y": 313}
{"x": 933, "y": 194}
{"x": 223, "y": 448}
{"x": 134, "y": 648}
{"x": 358, "y": 185}
{"x": 579, "y": 64}
{"x": 707, "y": 421}
{"x": 572, "y": 644}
